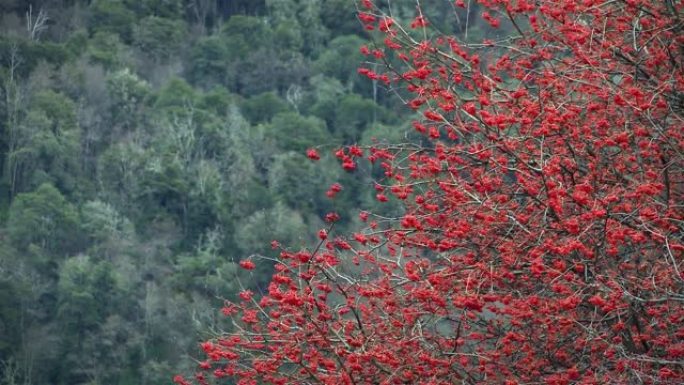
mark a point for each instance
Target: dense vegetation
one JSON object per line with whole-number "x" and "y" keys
{"x": 541, "y": 236}
{"x": 147, "y": 147}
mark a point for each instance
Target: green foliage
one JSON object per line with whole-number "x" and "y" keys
{"x": 105, "y": 48}
{"x": 10, "y": 317}
{"x": 341, "y": 59}
{"x": 175, "y": 96}
{"x": 287, "y": 35}
{"x": 294, "y": 132}
{"x": 385, "y": 134}
{"x": 119, "y": 169}
{"x": 112, "y": 16}
{"x": 340, "y": 16}
{"x": 45, "y": 145}
{"x": 296, "y": 181}
{"x": 255, "y": 232}
{"x": 59, "y": 109}
{"x": 27, "y": 55}
{"x": 218, "y": 101}
{"x": 85, "y": 291}
{"x": 323, "y": 98}
{"x": 266, "y": 69}
{"x": 172, "y": 9}
{"x": 263, "y": 107}
{"x": 302, "y": 184}
{"x": 156, "y": 373}
{"x": 45, "y": 219}
{"x": 102, "y": 223}
{"x": 295, "y": 19}
{"x": 205, "y": 270}
{"x": 353, "y": 115}
{"x": 243, "y": 7}
{"x": 243, "y": 38}
{"x": 245, "y": 193}
{"x": 255, "y": 63}
{"x": 244, "y": 33}
{"x": 158, "y": 37}
{"x": 208, "y": 60}
{"x": 280, "y": 10}
{"x": 128, "y": 93}
{"x": 77, "y": 43}
{"x": 165, "y": 184}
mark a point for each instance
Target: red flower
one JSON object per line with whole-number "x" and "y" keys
{"x": 332, "y": 217}
{"x": 419, "y": 22}
{"x": 247, "y": 264}
{"x": 349, "y": 165}
{"x": 313, "y": 154}
{"x": 246, "y": 295}
{"x": 333, "y": 190}
{"x": 385, "y": 24}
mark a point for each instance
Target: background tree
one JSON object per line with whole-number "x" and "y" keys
{"x": 44, "y": 219}
{"x": 113, "y": 17}
{"x": 159, "y": 37}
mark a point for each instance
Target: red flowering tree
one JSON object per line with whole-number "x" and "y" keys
{"x": 541, "y": 240}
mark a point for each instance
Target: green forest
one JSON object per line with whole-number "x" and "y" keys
{"x": 147, "y": 146}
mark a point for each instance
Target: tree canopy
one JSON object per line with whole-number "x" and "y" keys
{"x": 540, "y": 238}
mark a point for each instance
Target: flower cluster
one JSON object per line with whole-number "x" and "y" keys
{"x": 542, "y": 237}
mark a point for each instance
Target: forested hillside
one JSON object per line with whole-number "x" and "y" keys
{"x": 147, "y": 146}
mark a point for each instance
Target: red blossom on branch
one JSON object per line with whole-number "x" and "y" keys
{"x": 313, "y": 154}
{"x": 247, "y": 264}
